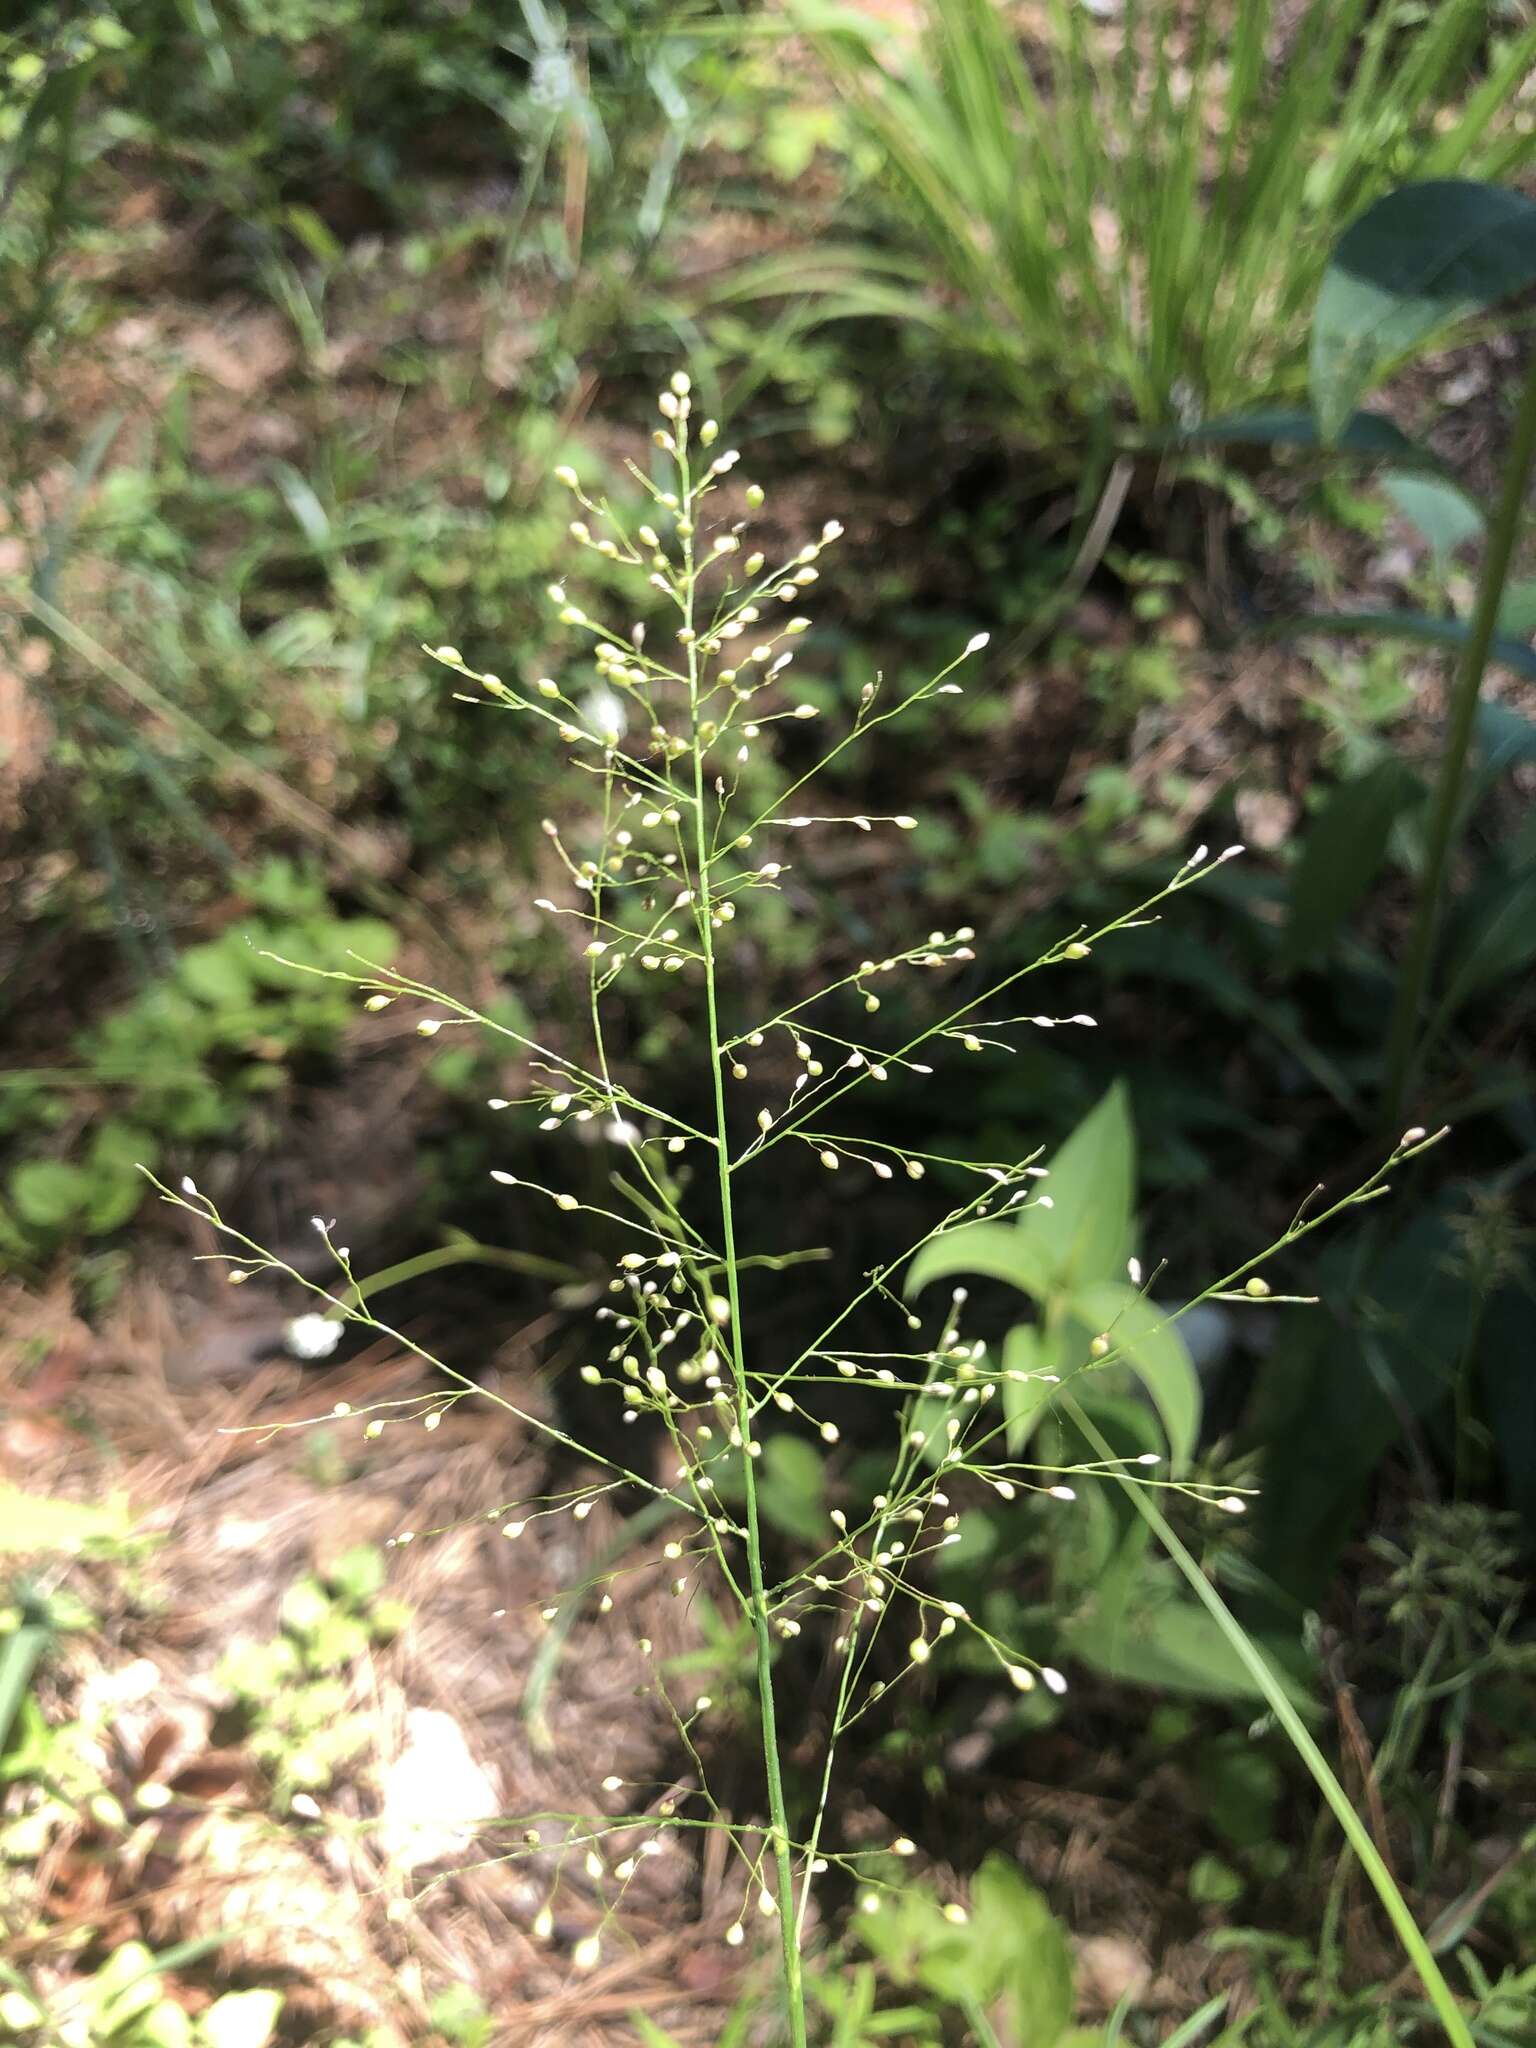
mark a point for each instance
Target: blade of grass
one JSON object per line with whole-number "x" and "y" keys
{"x": 1186, "y": 2035}
{"x": 1276, "y": 1697}
{"x": 23, "y": 1648}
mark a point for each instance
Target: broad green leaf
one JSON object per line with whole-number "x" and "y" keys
{"x": 1082, "y": 1230}
{"x": 790, "y": 1482}
{"x": 1091, "y": 1556}
{"x": 127, "y": 1982}
{"x": 1341, "y": 854}
{"x": 458, "y": 2015}
{"x": 1085, "y": 1235}
{"x": 19, "y": 2013}
{"x": 1415, "y": 626}
{"x": 338, "y": 1642}
{"x": 1106, "y": 1565}
{"x": 1024, "y": 1401}
{"x": 241, "y": 2019}
{"x": 1142, "y": 1335}
{"x": 115, "y": 1197}
{"x": 1011, "y": 1951}
{"x": 163, "y": 2025}
{"x": 218, "y": 973}
{"x": 979, "y": 1536}
{"x": 1517, "y": 609}
{"x": 912, "y": 1938}
{"x": 49, "y": 1194}
{"x": 1240, "y": 1788}
{"x": 1413, "y": 263}
{"x": 1015, "y": 1928}
{"x": 367, "y": 939}
{"x": 122, "y": 1148}
{"x": 306, "y": 1606}
{"x": 1441, "y": 511}
{"x": 992, "y": 1251}
{"x": 359, "y": 1573}
{"x": 1173, "y": 1644}
{"x": 1364, "y": 433}
{"x": 1214, "y": 1883}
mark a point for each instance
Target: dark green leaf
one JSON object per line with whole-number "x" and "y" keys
{"x": 1085, "y": 1235}
{"x": 993, "y": 1251}
{"x": 1334, "y": 1393}
{"x": 1504, "y": 738}
{"x": 1364, "y": 433}
{"x": 1414, "y": 262}
{"x": 115, "y": 1198}
{"x": 1509, "y": 1387}
{"x": 1517, "y": 609}
{"x": 1496, "y": 941}
{"x": 1240, "y": 1787}
{"x": 1143, "y": 1337}
{"x": 1016, "y": 1930}
{"x": 1341, "y": 854}
{"x": 1441, "y": 511}
{"x": 1416, "y": 626}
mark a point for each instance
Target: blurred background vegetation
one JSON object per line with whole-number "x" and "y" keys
{"x": 301, "y": 302}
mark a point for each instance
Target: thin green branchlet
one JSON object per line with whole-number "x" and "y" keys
{"x": 687, "y": 823}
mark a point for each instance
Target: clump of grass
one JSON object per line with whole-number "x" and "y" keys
{"x": 1167, "y": 186}
{"x": 690, "y": 821}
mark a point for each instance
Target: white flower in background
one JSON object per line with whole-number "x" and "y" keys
{"x": 312, "y": 1336}
{"x": 606, "y": 712}
{"x": 434, "y": 1793}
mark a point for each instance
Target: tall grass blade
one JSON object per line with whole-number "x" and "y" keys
{"x": 1276, "y": 1697}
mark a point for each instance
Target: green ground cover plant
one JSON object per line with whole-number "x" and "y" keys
{"x": 295, "y": 1692}
{"x": 125, "y": 2004}
{"x": 224, "y": 1024}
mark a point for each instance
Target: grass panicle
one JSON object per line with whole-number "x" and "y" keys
{"x": 690, "y": 815}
